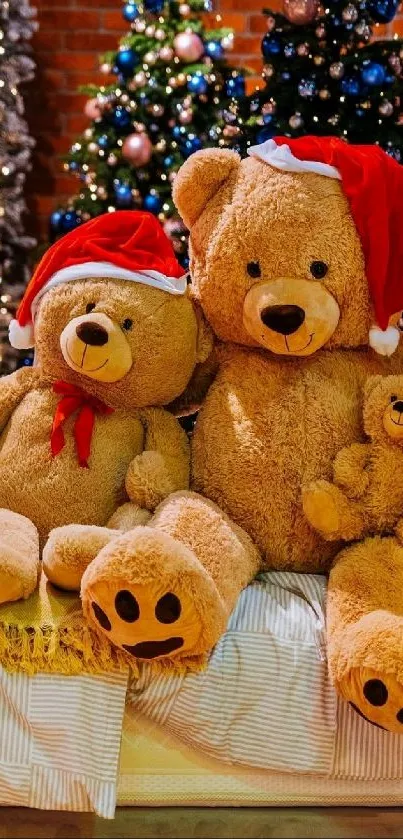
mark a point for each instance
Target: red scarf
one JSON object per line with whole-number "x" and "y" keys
{"x": 74, "y": 399}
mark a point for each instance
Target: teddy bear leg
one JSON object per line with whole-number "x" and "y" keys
{"x": 365, "y": 629}
{"x": 127, "y": 516}
{"x": 19, "y": 556}
{"x": 70, "y": 549}
{"x": 331, "y": 513}
{"x": 166, "y": 590}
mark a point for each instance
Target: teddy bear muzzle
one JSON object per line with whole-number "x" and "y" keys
{"x": 393, "y": 420}
{"x": 95, "y": 346}
{"x": 289, "y": 316}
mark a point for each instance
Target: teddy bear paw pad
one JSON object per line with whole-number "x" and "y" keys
{"x": 378, "y": 698}
{"x": 320, "y": 508}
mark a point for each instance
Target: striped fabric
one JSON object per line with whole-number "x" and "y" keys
{"x": 265, "y": 700}
{"x": 60, "y": 740}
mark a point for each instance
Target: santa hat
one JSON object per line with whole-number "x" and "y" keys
{"x": 125, "y": 245}
{"x": 373, "y": 185}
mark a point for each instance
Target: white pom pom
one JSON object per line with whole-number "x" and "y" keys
{"x": 384, "y": 342}
{"x": 21, "y": 337}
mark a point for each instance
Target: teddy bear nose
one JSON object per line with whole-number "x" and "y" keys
{"x": 398, "y": 406}
{"x": 92, "y": 333}
{"x": 283, "y": 319}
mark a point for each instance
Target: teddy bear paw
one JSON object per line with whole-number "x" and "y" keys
{"x": 320, "y": 508}
{"x": 376, "y": 696}
{"x": 151, "y": 597}
{"x": 19, "y": 557}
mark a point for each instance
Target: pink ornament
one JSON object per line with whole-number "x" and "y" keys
{"x": 92, "y": 109}
{"x": 300, "y": 12}
{"x": 166, "y": 53}
{"x": 185, "y": 117}
{"x": 188, "y": 46}
{"x": 137, "y": 148}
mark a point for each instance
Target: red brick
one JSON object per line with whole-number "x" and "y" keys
{"x": 70, "y": 102}
{"x": 55, "y": 79}
{"x": 249, "y": 46}
{"x": 253, "y": 82}
{"x": 76, "y": 124}
{"x": 100, "y": 41}
{"x": 70, "y": 21}
{"x": 47, "y": 41}
{"x": 96, "y": 78}
{"x": 75, "y": 61}
{"x": 398, "y": 27}
{"x": 234, "y": 20}
{"x": 113, "y": 21}
{"x": 258, "y": 23}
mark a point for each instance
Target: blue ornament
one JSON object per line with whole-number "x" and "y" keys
{"x": 126, "y": 60}
{"x": 373, "y": 73}
{"x": 190, "y": 146}
{"x": 383, "y": 11}
{"x": 177, "y": 132}
{"x": 285, "y": 77}
{"x": 197, "y": 84}
{"x": 307, "y": 88}
{"x": 121, "y": 117}
{"x": 289, "y": 50}
{"x": 185, "y": 262}
{"x": 103, "y": 141}
{"x": 130, "y": 12}
{"x": 69, "y": 221}
{"x": 350, "y": 86}
{"x": 25, "y": 362}
{"x": 73, "y": 166}
{"x": 266, "y": 134}
{"x": 267, "y": 118}
{"x": 271, "y": 45}
{"x": 152, "y": 203}
{"x": 235, "y": 86}
{"x": 55, "y": 220}
{"x": 214, "y": 49}
{"x": 360, "y": 112}
{"x": 154, "y": 6}
{"x": 168, "y": 161}
{"x": 123, "y": 195}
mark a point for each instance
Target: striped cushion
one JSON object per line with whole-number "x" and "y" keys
{"x": 265, "y": 699}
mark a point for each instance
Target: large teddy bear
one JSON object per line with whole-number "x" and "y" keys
{"x": 297, "y": 256}
{"x": 83, "y": 431}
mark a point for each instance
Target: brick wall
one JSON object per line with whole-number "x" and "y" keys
{"x": 72, "y": 35}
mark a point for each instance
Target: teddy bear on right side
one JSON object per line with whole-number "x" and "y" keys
{"x": 366, "y": 494}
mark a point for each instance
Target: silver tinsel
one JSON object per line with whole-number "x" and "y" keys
{"x": 17, "y": 25}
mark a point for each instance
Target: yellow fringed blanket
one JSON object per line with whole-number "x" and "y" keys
{"x": 48, "y": 633}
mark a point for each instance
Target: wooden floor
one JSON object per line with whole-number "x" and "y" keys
{"x": 220, "y": 823}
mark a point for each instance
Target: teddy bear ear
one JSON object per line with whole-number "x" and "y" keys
{"x": 371, "y": 383}
{"x": 200, "y": 178}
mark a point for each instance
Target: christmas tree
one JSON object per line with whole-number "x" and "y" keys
{"x": 16, "y": 28}
{"x": 325, "y": 74}
{"x": 174, "y": 94}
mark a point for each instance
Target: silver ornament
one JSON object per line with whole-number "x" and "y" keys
{"x": 336, "y": 70}
{"x": 295, "y": 121}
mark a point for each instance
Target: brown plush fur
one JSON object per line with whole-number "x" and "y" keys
{"x": 367, "y": 494}
{"x": 284, "y": 403}
{"x": 137, "y": 452}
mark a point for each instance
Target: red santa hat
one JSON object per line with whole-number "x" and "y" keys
{"x": 373, "y": 185}
{"x": 125, "y": 245}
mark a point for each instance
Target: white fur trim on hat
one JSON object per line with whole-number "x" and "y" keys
{"x": 281, "y": 157}
{"x": 384, "y": 342}
{"x": 21, "y": 337}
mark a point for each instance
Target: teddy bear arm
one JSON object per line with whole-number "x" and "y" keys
{"x": 164, "y": 465}
{"x": 349, "y": 469}
{"x": 13, "y": 388}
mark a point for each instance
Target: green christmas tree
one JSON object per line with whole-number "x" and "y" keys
{"x": 174, "y": 94}
{"x": 326, "y": 75}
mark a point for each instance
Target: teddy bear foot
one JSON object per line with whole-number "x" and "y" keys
{"x": 70, "y": 549}
{"x": 330, "y": 512}
{"x": 376, "y": 696}
{"x": 19, "y": 557}
{"x": 151, "y": 597}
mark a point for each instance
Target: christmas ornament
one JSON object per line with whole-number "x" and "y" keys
{"x": 157, "y": 110}
{"x": 93, "y": 148}
{"x": 303, "y": 49}
{"x": 105, "y": 68}
{"x": 140, "y": 78}
{"x": 214, "y": 50}
{"x": 137, "y": 148}
{"x": 55, "y": 220}
{"x": 92, "y": 109}
{"x": 150, "y": 58}
{"x": 121, "y": 118}
{"x": 300, "y": 12}
{"x": 235, "y": 86}
{"x": 123, "y": 195}
{"x": 188, "y": 46}
{"x": 152, "y": 203}
{"x": 351, "y": 86}
{"x": 324, "y": 93}
{"x": 186, "y": 116}
{"x": 383, "y": 11}
{"x": 166, "y": 53}
{"x": 295, "y": 121}
{"x": 112, "y": 159}
{"x": 320, "y": 31}
{"x": 307, "y": 88}
{"x": 395, "y": 63}
{"x": 289, "y": 50}
{"x": 373, "y": 73}
{"x": 265, "y": 134}
{"x": 102, "y": 193}
{"x": 130, "y": 12}
{"x": 336, "y": 70}
{"x": 271, "y": 45}
{"x": 140, "y": 26}
{"x": 160, "y": 35}
{"x": 268, "y": 71}
{"x": 69, "y": 221}
{"x": 154, "y": 6}
{"x": 125, "y": 61}
{"x": 386, "y": 108}
{"x": 350, "y": 13}
{"x": 184, "y": 9}
{"x": 197, "y": 84}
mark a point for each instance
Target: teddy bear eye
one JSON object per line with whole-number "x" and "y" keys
{"x": 393, "y": 398}
{"x": 318, "y": 269}
{"x": 89, "y": 307}
{"x": 127, "y": 324}
{"x": 254, "y": 270}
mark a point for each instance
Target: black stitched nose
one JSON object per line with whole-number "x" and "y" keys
{"x": 92, "y": 333}
{"x": 398, "y": 406}
{"x": 283, "y": 319}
